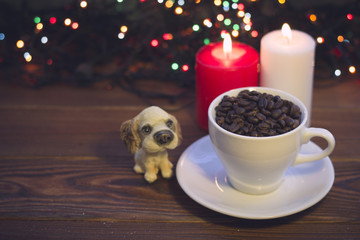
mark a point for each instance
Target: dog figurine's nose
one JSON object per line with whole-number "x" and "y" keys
{"x": 163, "y": 137}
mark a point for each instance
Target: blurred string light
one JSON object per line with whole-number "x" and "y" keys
{"x": 121, "y": 35}
{"x": 320, "y": 40}
{"x": 247, "y": 27}
{"x": 169, "y": 4}
{"x": 37, "y": 20}
{"x": 2, "y": 36}
{"x": 174, "y": 66}
{"x": 67, "y": 22}
{"x": 196, "y": 27}
{"x": 178, "y": 10}
{"x": 220, "y": 17}
{"x": 52, "y": 20}
{"x": 75, "y": 25}
{"x": 83, "y": 4}
{"x": 223, "y": 33}
{"x": 123, "y": 29}
{"x": 167, "y": 36}
{"x": 44, "y": 40}
{"x": 254, "y": 34}
{"x": 27, "y": 56}
{"x": 340, "y": 39}
{"x": 241, "y": 6}
{"x": 154, "y": 43}
{"x": 20, "y": 44}
{"x": 337, "y": 72}
{"x": 185, "y": 68}
{"x": 39, "y": 26}
{"x": 235, "y": 33}
{"x": 207, "y": 22}
{"x": 313, "y": 17}
{"x": 217, "y": 3}
{"x": 352, "y": 69}
{"x": 241, "y": 14}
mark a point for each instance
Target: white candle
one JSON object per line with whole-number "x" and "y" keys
{"x": 287, "y": 63}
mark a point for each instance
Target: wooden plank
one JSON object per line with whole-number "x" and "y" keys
{"x": 106, "y": 187}
{"x": 213, "y": 229}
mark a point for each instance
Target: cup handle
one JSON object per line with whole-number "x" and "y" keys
{"x": 315, "y": 132}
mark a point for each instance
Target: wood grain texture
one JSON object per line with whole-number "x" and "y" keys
{"x": 65, "y": 174}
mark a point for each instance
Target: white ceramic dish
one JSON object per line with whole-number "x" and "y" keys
{"x": 203, "y": 178}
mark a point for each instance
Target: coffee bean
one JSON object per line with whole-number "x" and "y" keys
{"x": 243, "y": 102}
{"x": 261, "y": 116}
{"x": 289, "y": 121}
{"x": 252, "y": 113}
{"x": 234, "y": 127}
{"x": 239, "y": 110}
{"x": 262, "y": 103}
{"x": 276, "y": 113}
{"x": 270, "y": 105}
{"x": 296, "y": 123}
{"x": 252, "y": 119}
{"x": 278, "y": 104}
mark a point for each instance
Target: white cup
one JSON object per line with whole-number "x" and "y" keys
{"x": 257, "y": 165}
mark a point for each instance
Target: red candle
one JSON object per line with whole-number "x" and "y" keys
{"x": 221, "y": 67}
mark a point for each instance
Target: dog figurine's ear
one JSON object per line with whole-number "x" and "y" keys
{"x": 129, "y": 134}
{"x": 177, "y": 129}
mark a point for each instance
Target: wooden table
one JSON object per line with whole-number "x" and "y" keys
{"x": 66, "y": 174}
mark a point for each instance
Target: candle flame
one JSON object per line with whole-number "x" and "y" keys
{"x": 227, "y": 46}
{"x": 286, "y": 31}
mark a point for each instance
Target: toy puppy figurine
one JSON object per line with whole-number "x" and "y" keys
{"x": 149, "y": 135}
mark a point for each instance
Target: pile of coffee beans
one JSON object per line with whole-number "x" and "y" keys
{"x": 256, "y": 114}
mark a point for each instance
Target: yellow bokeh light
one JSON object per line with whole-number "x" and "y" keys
{"x": 282, "y": 1}
{"x": 28, "y": 57}
{"x": 217, "y": 3}
{"x": 20, "y": 44}
{"x": 320, "y": 40}
{"x": 246, "y": 20}
{"x": 352, "y": 69}
{"x": 123, "y": 29}
{"x": 83, "y": 4}
{"x": 340, "y": 38}
{"x": 312, "y": 17}
{"x": 235, "y": 33}
{"x": 67, "y": 22}
{"x": 39, "y": 26}
{"x": 178, "y": 10}
{"x": 207, "y": 22}
{"x": 169, "y": 4}
{"x": 220, "y": 17}
{"x": 241, "y": 13}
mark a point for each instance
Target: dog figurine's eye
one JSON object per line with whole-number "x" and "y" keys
{"x": 146, "y": 129}
{"x": 170, "y": 124}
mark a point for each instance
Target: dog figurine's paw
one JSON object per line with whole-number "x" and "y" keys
{"x": 167, "y": 173}
{"x": 149, "y": 135}
{"x": 150, "y": 177}
{"x": 138, "y": 169}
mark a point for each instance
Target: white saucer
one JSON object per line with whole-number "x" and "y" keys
{"x": 202, "y": 176}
